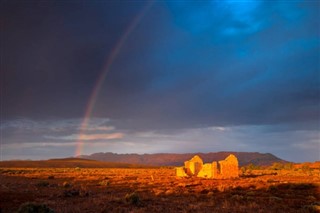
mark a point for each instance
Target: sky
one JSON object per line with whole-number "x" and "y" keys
{"x": 80, "y": 77}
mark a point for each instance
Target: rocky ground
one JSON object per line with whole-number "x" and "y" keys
{"x": 156, "y": 190}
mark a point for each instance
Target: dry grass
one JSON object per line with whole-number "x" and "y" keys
{"x": 158, "y": 190}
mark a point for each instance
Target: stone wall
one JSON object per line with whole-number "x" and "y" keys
{"x": 206, "y": 171}
{"x": 229, "y": 167}
{"x": 193, "y": 166}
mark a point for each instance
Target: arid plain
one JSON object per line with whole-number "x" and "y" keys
{"x": 272, "y": 189}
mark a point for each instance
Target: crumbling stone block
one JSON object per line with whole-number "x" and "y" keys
{"x": 214, "y": 169}
{"x": 180, "y": 172}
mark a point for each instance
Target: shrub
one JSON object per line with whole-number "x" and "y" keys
{"x": 251, "y": 167}
{"x": 305, "y": 168}
{"x": 243, "y": 170}
{"x": 247, "y": 170}
{"x": 302, "y": 186}
{"x": 272, "y": 188}
{"x": 237, "y": 197}
{"x": 289, "y": 166}
{"x": 275, "y": 199}
{"x": 277, "y": 166}
{"x": 71, "y": 193}
{"x": 311, "y": 208}
{"x": 34, "y": 208}
{"x": 42, "y": 184}
{"x": 132, "y": 198}
{"x": 66, "y": 184}
{"x": 104, "y": 183}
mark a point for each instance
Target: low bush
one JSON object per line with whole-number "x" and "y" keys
{"x": 71, "y": 193}
{"x": 42, "y": 184}
{"x": 34, "y": 208}
{"x": 132, "y": 198}
{"x": 104, "y": 183}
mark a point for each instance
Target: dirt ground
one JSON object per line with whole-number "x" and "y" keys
{"x": 157, "y": 190}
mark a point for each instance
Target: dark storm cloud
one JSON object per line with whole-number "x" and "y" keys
{"x": 53, "y": 52}
{"x": 185, "y": 64}
{"x": 209, "y": 75}
{"x": 215, "y": 63}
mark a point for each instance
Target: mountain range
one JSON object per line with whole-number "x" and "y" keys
{"x": 169, "y": 159}
{"x": 66, "y": 163}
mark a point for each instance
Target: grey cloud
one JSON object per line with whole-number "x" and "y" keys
{"x": 285, "y": 145}
{"x": 24, "y": 130}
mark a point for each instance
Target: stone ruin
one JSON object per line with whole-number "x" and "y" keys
{"x": 223, "y": 169}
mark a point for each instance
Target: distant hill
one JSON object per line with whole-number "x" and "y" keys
{"x": 166, "y": 159}
{"x": 66, "y": 163}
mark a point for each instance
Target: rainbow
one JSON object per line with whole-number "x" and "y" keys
{"x": 106, "y": 68}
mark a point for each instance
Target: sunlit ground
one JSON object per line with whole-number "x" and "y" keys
{"x": 159, "y": 190}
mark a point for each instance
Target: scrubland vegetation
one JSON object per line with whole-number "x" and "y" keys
{"x": 278, "y": 188}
